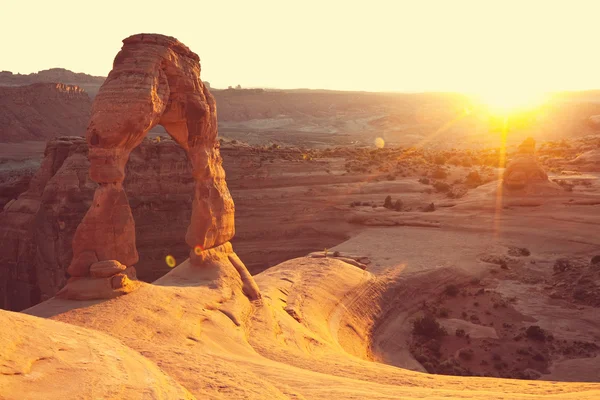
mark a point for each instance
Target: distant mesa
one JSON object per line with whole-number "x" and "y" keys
{"x": 7, "y": 78}
{"x": 40, "y": 111}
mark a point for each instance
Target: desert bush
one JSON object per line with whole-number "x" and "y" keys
{"x": 466, "y": 354}
{"x": 441, "y": 186}
{"x": 443, "y": 312}
{"x": 387, "y": 203}
{"x": 429, "y": 208}
{"x": 451, "y": 290}
{"x": 460, "y": 333}
{"x": 398, "y": 205}
{"x": 561, "y": 265}
{"x": 534, "y": 332}
{"x": 439, "y": 160}
{"x": 595, "y": 260}
{"x": 439, "y": 173}
{"x": 519, "y": 252}
{"x": 473, "y": 179}
{"x": 427, "y": 326}
{"x": 424, "y": 181}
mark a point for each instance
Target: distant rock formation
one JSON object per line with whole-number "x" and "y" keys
{"x": 7, "y": 78}
{"x": 41, "y": 111}
{"x": 588, "y": 161}
{"x": 524, "y": 168}
{"x": 155, "y": 80}
{"x": 594, "y": 121}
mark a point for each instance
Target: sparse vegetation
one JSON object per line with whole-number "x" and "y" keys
{"x": 427, "y": 326}
{"x": 451, "y": 290}
{"x": 534, "y": 332}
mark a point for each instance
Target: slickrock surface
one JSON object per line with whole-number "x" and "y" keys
{"x": 307, "y": 338}
{"x": 41, "y": 358}
{"x": 41, "y": 111}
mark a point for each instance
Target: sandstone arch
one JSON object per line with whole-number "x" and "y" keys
{"x": 155, "y": 80}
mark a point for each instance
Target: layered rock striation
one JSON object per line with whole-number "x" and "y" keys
{"x": 155, "y": 80}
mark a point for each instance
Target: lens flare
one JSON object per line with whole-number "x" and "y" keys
{"x": 379, "y": 143}
{"x": 170, "y": 260}
{"x": 198, "y": 250}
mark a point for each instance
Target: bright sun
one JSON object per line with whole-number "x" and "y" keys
{"x": 505, "y": 101}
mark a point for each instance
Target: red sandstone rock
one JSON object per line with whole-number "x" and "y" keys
{"x": 108, "y": 228}
{"x": 155, "y": 79}
{"x": 80, "y": 266}
{"x": 105, "y": 269}
{"x": 524, "y": 168}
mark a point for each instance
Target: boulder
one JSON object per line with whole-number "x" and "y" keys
{"x": 524, "y": 168}
{"x": 107, "y": 268}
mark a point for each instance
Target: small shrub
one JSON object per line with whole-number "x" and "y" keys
{"x": 561, "y": 265}
{"x": 424, "y": 181}
{"x": 466, "y": 354}
{"x": 534, "y": 332}
{"x": 473, "y": 179}
{"x": 387, "y": 203}
{"x": 442, "y": 187}
{"x": 451, "y": 290}
{"x": 519, "y": 252}
{"x": 523, "y": 351}
{"x": 439, "y": 173}
{"x": 427, "y": 326}
{"x": 443, "y": 312}
{"x": 460, "y": 333}
{"x": 596, "y": 260}
{"x": 439, "y": 160}
{"x": 398, "y": 205}
{"x": 429, "y": 208}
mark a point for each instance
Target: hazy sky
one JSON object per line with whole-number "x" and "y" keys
{"x": 418, "y": 45}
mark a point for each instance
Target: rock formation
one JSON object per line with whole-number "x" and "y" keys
{"x": 594, "y": 121}
{"x": 588, "y": 161}
{"x": 155, "y": 80}
{"x": 48, "y": 75}
{"x": 524, "y": 168}
{"x": 37, "y": 228}
{"x": 41, "y": 111}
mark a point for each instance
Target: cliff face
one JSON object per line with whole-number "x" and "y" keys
{"x": 285, "y": 221}
{"x": 37, "y": 228}
{"x": 41, "y": 111}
